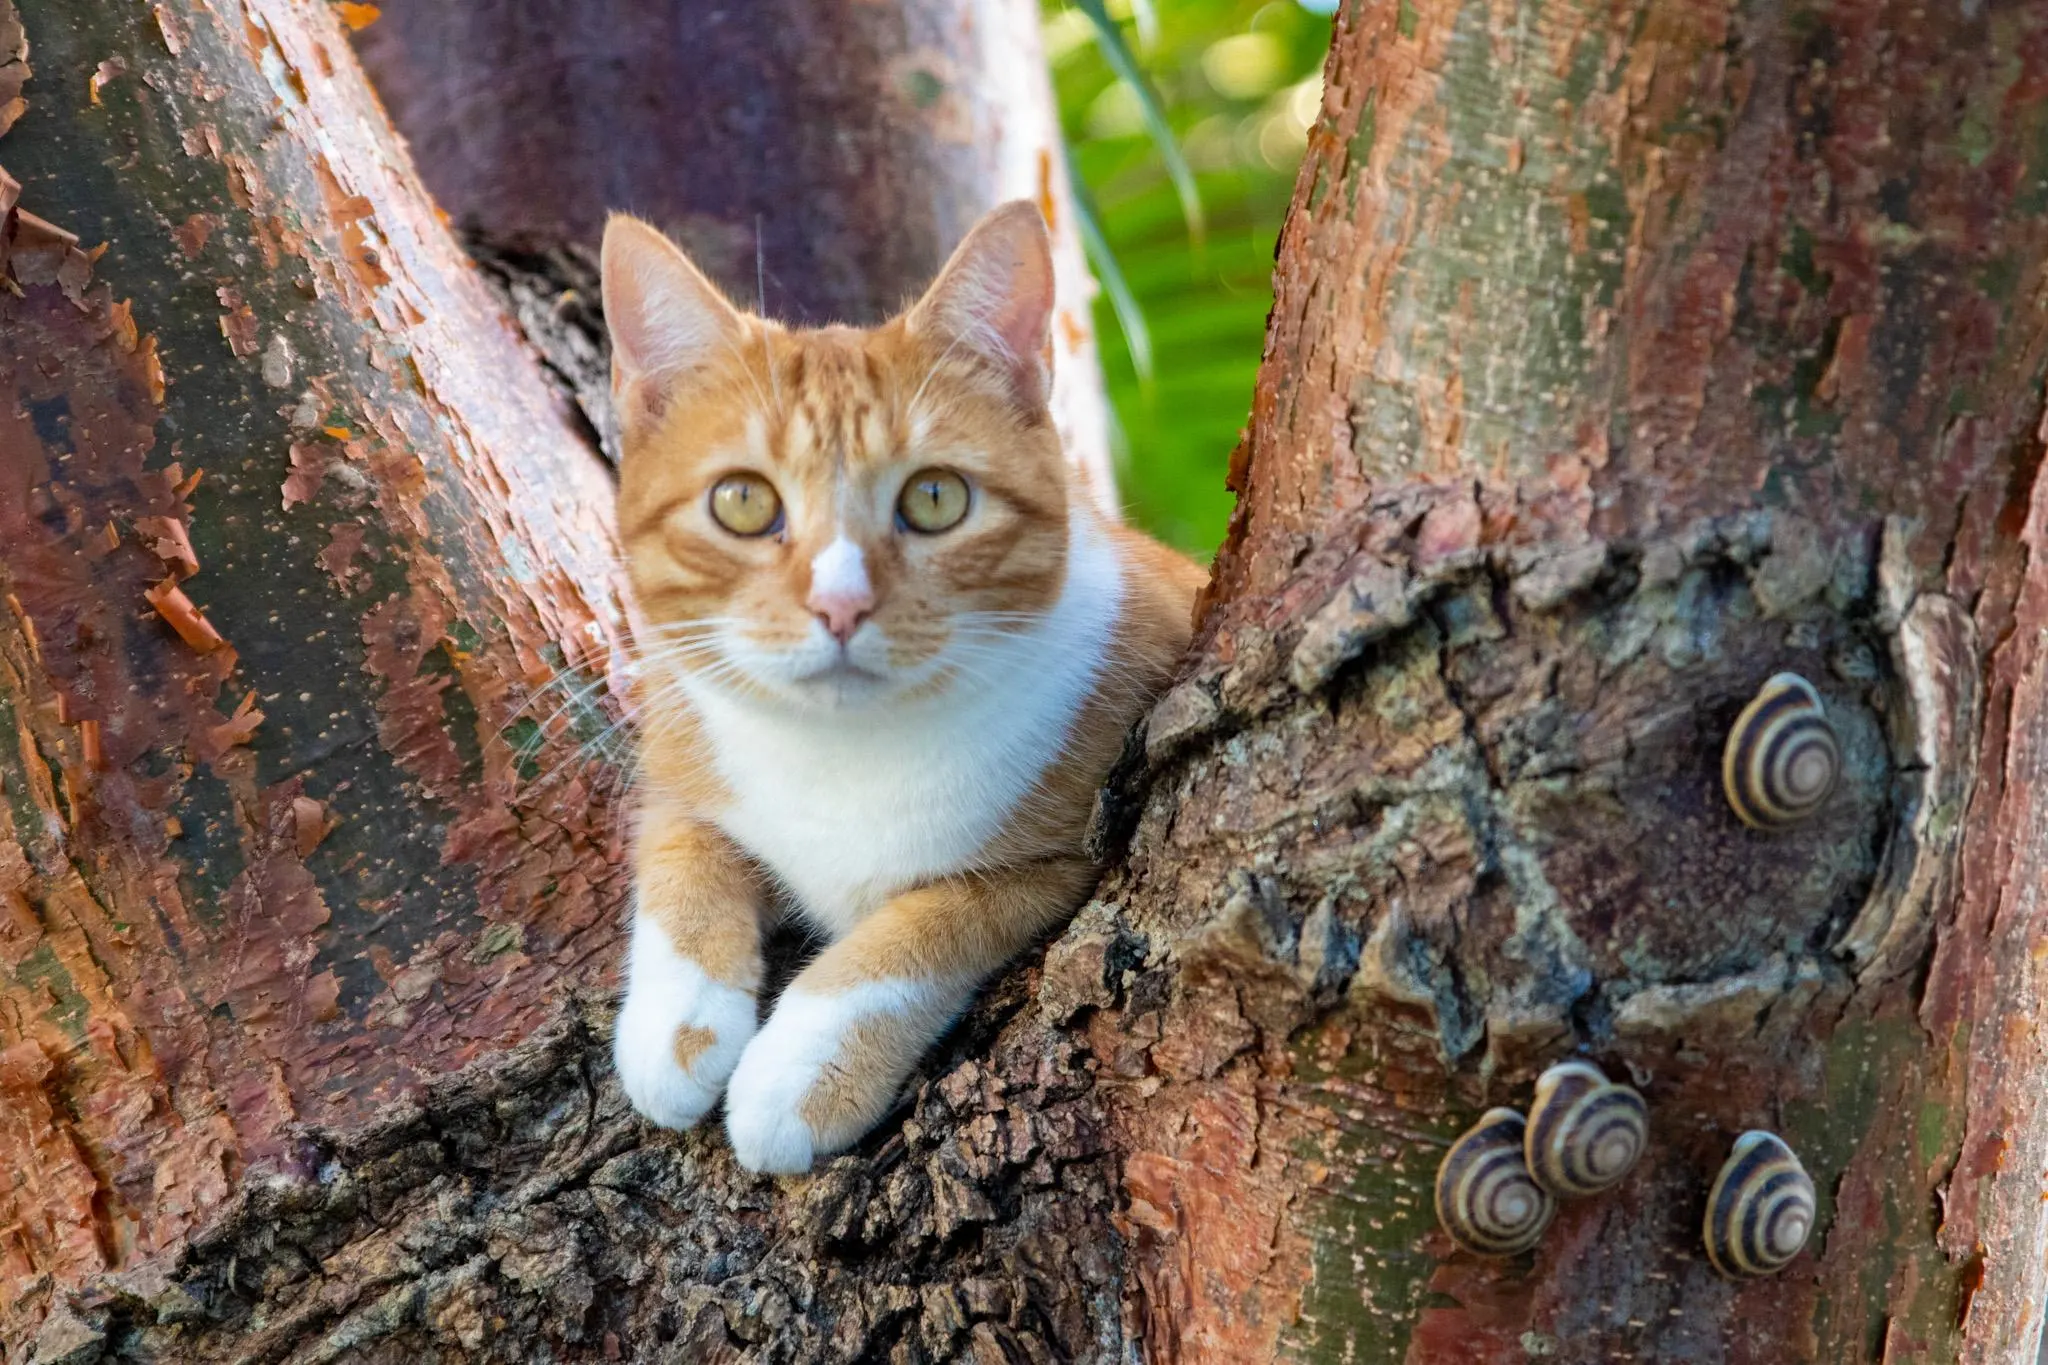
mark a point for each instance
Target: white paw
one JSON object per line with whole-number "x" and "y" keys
{"x": 776, "y": 1114}
{"x": 768, "y": 1134}
{"x": 764, "y": 1107}
{"x": 679, "y": 1033}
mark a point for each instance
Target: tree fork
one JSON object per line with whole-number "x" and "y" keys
{"x": 311, "y": 910}
{"x": 1621, "y": 358}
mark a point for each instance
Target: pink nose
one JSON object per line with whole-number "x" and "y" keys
{"x": 842, "y": 612}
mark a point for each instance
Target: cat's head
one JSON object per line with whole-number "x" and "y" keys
{"x": 839, "y": 516}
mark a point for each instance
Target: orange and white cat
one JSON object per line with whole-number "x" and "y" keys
{"x": 888, "y": 650}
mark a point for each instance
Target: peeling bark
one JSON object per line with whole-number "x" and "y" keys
{"x": 1621, "y": 358}
{"x": 310, "y": 861}
{"x": 293, "y": 532}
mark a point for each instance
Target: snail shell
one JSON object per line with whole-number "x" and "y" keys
{"x": 1585, "y": 1132}
{"x": 1485, "y": 1197}
{"x": 1783, "y": 758}
{"x": 1761, "y": 1210}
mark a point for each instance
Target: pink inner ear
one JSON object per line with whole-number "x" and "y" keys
{"x": 663, "y": 315}
{"x": 996, "y": 296}
{"x": 1015, "y": 304}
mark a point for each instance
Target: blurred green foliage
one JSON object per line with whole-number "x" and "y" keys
{"x": 1239, "y": 82}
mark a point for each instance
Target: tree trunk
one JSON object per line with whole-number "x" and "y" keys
{"x": 819, "y": 159}
{"x": 308, "y": 611}
{"x": 1621, "y": 358}
{"x": 292, "y": 530}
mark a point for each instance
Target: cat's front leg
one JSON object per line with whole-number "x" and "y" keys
{"x": 694, "y": 971}
{"x": 829, "y": 1062}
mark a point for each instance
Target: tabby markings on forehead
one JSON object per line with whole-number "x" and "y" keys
{"x": 799, "y": 433}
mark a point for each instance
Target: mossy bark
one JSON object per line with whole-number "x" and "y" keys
{"x": 1622, "y": 356}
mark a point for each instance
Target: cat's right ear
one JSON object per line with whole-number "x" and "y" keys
{"x": 665, "y": 318}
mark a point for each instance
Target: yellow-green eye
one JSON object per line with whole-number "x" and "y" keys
{"x": 934, "y": 500}
{"x": 745, "y": 504}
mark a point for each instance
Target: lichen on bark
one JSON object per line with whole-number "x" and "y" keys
{"x": 1433, "y": 804}
{"x": 291, "y": 526}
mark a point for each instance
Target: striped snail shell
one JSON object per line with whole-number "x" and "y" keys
{"x": 1585, "y": 1132}
{"x": 1782, "y": 758}
{"x": 1761, "y": 1209}
{"x": 1485, "y": 1197}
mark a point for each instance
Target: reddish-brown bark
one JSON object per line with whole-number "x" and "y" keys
{"x": 292, "y": 531}
{"x": 1622, "y": 356}
{"x": 306, "y": 616}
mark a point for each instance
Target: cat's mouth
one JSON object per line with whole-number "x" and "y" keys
{"x": 839, "y": 681}
{"x": 841, "y": 669}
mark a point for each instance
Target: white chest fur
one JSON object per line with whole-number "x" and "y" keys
{"x": 847, "y": 808}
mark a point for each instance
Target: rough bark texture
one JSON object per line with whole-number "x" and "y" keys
{"x": 1622, "y": 357}
{"x": 286, "y": 848}
{"x": 819, "y": 160}
{"x": 292, "y": 530}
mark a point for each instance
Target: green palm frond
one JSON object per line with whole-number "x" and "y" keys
{"x": 1109, "y": 273}
{"x": 1109, "y": 35}
{"x": 1220, "y": 81}
{"x": 1146, "y": 16}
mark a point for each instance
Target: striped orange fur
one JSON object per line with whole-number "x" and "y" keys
{"x": 888, "y": 650}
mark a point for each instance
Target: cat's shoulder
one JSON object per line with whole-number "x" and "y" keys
{"x": 1160, "y": 586}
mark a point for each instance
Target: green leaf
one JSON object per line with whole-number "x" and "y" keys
{"x": 1109, "y": 36}
{"x": 1146, "y": 16}
{"x": 1130, "y": 318}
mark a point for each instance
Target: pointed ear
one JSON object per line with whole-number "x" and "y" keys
{"x": 995, "y": 297}
{"x": 664, "y": 316}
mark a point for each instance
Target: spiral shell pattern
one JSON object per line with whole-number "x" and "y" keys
{"x": 1485, "y": 1197}
{"x": 1585, "y": 1132}
{"x": 1782, "y": 758}
{"x": 1761, "y": 1210}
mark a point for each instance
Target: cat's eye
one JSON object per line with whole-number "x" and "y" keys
{"x": 934, "y": 500}
{"x": 745, "y": 504}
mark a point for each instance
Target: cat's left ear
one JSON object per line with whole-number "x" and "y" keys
{"x": 665, "y": 318}
{"x": 995, "y": 297}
